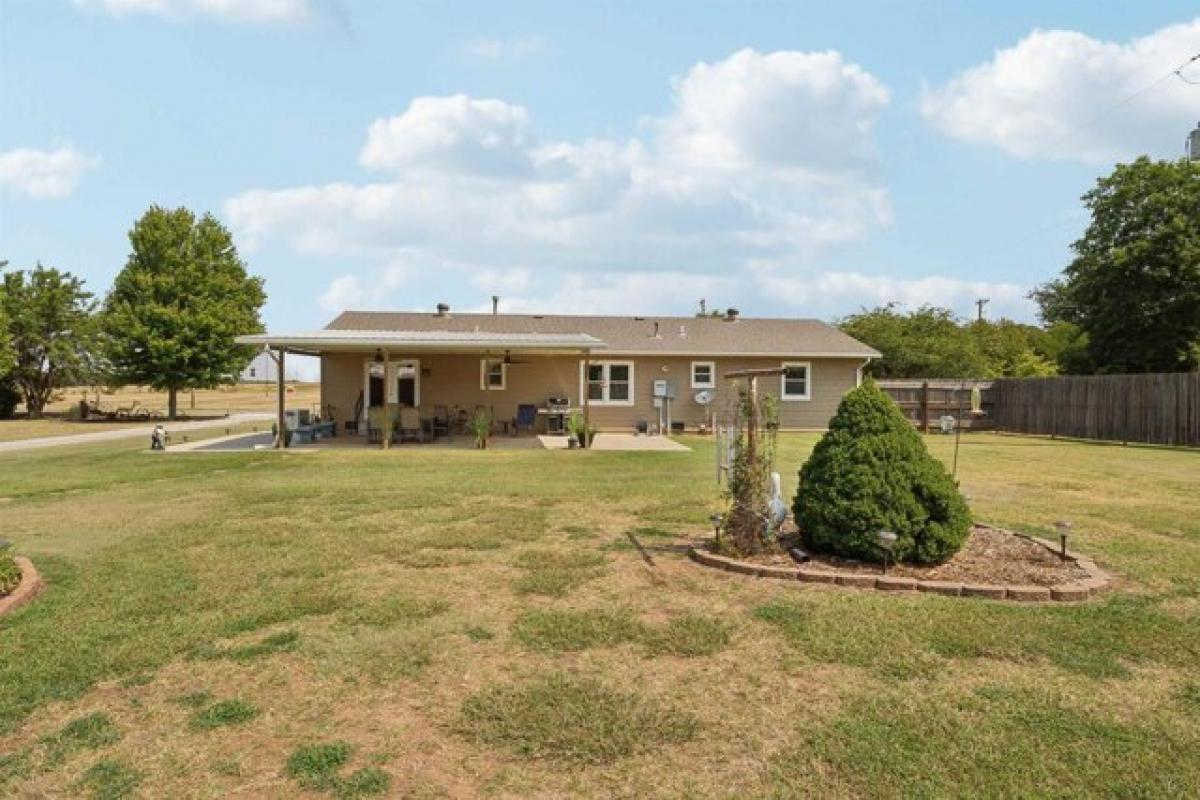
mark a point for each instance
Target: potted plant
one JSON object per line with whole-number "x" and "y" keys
{"x": 573, "y": 427}
{"x": 579, "y": 432}
{"x": 480, "y": 426}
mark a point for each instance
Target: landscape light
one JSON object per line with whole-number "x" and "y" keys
{"x": 1064, "y": 527}
{"x": 886, "y": 541}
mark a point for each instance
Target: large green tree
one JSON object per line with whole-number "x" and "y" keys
{"x": 52, "y": 330}
{"x": 932, "y": 342}
{"x": 174, "y": 310}
{"x": 1134, "y": 286}
{"x": 9, "y": 396}
{"x": 8, "y": 357}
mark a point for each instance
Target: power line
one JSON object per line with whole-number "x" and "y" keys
{"x": 1092, "y": 120}
{"x": 1010, "y": 243}
{"x": 1179, "y": 72}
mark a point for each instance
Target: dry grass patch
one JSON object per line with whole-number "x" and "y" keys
{"x": 556, "y": 631}
{"x": 222, "y": 714}
{"x": 570, "y": 718}
{"x": 89, "y": 732}
{"x": 109, "y": 779}
{"x": 274, "y": 643}
{"x": 688, "y": 635}
{"x": 554, "y": 573}
{"x": 318, "y": 767}
{"x": 393, "y": 610}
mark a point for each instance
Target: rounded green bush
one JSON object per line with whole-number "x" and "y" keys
{"x": 871, "y": 473}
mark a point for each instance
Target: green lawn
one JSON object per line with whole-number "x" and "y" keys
{"x": 457, "y": 623}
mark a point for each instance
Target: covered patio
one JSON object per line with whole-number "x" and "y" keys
{"x": 612, "y": 442}
{"x": 389, "y": 387}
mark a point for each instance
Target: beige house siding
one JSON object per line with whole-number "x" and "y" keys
{"x": 454, "y": 380}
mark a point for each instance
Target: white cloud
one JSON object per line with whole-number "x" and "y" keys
{"x": 469, "y": 180}
{"x": 785, "y": 110}
{"x": 455, "y": 134}
{"x": 344, "y": 291}
{"x": 1049, "y": 95}
{"x": 513, "y": 47}
{"x": 374, "y": 291}
{"x": 767, "y": 157}
{"x": 252, "y": 11}
{"x": 45, "y": 173}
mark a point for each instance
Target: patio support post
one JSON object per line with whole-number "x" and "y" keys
{"x": 387, "y": 411}
{"x": 281, "y": 422}
{"x": 587, "y": 415}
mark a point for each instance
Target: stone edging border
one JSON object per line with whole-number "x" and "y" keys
{"x": 27, "y": 589}
{"x": 1070, "y": 592}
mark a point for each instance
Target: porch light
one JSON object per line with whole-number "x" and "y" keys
{"x": 378, "y": 356}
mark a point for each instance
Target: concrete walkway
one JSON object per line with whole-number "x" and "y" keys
{"x": 134, "y": 431}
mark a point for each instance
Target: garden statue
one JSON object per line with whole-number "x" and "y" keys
{"x": 776, "y": 505}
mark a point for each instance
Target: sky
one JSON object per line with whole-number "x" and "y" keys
{"x": 788, "y": 159}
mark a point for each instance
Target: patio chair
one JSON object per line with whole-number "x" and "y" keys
{"x": 375, "y": 425}
{"x": 441, "y": 421}
{"x": 409, "y": 429}
{"x": 526, "y": 418}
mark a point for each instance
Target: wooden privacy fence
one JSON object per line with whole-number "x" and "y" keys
{"x": 1155, "y": 408}
{"x": 925, "y": 401}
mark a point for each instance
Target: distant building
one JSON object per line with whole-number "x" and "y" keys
{"x": 262, "y": 369}
{"x": 1193, "y": 144}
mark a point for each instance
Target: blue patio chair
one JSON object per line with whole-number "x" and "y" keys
{"x": 526, "y": 417}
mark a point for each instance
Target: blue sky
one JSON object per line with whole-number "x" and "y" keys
{"x": 790, "y": 159}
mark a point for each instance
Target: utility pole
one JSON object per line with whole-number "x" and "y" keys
{"x": 979, "y": 304}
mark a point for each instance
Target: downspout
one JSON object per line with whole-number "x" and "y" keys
{"x": 859, "y": 371}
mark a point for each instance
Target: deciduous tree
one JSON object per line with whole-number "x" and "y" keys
{"x": 52, "y": 328}
{"x": 1134, "y": 285}
{"x": 174, "y": 310}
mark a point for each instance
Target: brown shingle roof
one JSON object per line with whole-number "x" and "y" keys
{"x": 700, "y": 335}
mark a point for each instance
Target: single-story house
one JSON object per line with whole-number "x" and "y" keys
{"x": 615, "y": 368}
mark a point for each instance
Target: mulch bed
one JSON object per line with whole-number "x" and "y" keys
{"x": 990, "y": 556}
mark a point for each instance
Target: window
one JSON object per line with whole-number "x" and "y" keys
{"x": 493, "y": 375}
{"x": 252, "y": 371}
{"x": 796, "y": 381}
{"x": 609, "y": 383}
{"x": 704, "y": 374}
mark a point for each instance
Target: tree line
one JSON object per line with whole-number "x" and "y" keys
{"x": 1128, "y": 302}
{"x": 168, "y": 321}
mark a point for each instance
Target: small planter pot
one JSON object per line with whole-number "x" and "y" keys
{"x": 572, "y": 443}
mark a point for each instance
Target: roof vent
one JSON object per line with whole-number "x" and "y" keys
{"x": 655, "y": 334}
{"x": 682, "y": 331}
{"x": 443, "y": 310}
{"x": 731, "y": 315}
{"x": 495, "y": 304}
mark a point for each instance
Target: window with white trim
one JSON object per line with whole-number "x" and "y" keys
{"x": 493, "y": 375}
{"x": 609, "y": 383}
{"x": 704, "y": 374}
{"x": 796, "y": 381}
